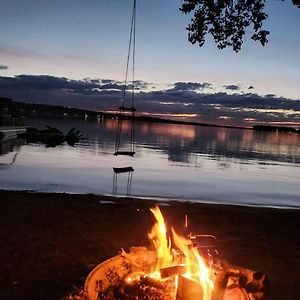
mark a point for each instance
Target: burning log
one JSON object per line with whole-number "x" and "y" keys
{"x": 255, "y": 283}
{"x": 250, "y": 282}
{"x": 172, "y": 271}
{"x": 188, "y": 289}
{"x": 236, "y": 294}
{"x": 220, "y": 286}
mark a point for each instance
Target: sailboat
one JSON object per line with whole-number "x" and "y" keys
{"x": 126, "y": 110}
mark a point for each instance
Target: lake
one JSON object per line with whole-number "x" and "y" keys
{"x": 197, "y": 163}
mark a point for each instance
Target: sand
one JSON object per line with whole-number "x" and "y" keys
{"x": 50, "y": 242}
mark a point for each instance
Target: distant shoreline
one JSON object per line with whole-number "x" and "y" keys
{"x": 44, "y": 110}
{"x": 55, "y": 111}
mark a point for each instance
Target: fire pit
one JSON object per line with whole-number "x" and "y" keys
{"x": 174, "y": 270}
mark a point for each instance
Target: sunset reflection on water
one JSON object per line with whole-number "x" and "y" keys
{"x": 172, "y": 161}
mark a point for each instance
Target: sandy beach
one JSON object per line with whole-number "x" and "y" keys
{"x": 50, "y": 242}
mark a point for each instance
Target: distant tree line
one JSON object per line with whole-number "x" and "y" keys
{"x": 54, "y": 111}
{"x": 275, "y": 128}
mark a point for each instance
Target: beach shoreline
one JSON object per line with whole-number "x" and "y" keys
{"x": 51, "y": 241}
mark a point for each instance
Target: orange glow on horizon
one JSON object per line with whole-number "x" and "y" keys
{"x": 248, "y": 122}
{"x": 171, "y": 115}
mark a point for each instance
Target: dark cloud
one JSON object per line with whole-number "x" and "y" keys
{"x": 190, "y": 86}
{"x": 3, "y": 67}
{"x": 96, "y": 81}
{"x": 43, "y": 82}
{"x": 141, "y": 85}
{"x": 107, "y": 81}
{"x": 46, "y": 82}
{"x": 232, "y": 87}
{"x": 183, "y": 98}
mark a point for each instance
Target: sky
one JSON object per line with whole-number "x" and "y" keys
{"x": 83, "y": 41}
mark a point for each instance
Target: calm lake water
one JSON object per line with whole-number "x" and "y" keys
{"x": 208, "y": 164}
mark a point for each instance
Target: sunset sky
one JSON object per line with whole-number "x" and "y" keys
{"x": 84, "y": 40}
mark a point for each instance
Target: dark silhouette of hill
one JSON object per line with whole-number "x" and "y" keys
{"x": 55, "y": 111}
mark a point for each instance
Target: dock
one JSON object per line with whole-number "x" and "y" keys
{"x": 11, "y": 132}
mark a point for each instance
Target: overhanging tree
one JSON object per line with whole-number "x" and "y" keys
{"x": 226, "y": 21}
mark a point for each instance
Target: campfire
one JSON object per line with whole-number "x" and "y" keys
{"x": 176, "y": 268}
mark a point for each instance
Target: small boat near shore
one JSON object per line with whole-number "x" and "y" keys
{"x": 52, "y": 136}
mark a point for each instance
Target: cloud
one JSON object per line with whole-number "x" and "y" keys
{"x": 183, "y": 98}
{"x": 270, "y": 96}
{"x": 232, "y": 87}
{"x": 190, "y": 86}
{"x": 46, "y": 82}
{"x": 3, "y": 67}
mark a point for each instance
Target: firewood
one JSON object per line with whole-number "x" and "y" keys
{"x": 188, "y": 289}
{"x": 220, "y": 285}
{"x": 171, "y": 271}
{"x": 252, "y": 281}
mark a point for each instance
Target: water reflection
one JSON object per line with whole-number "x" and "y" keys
{"x": 207, "y": 163}
{"x": 128, "y": 171}
{"x": 11, "y": 148}
{"x": 10, "y": 160}
{"x": 182, "y": 142}
{"x": 7, "y": 145}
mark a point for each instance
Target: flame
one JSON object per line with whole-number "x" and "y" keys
{"x": 184, "y": 255}
{"x": 196, "y": 268}
{"x": 162, "y": 244}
